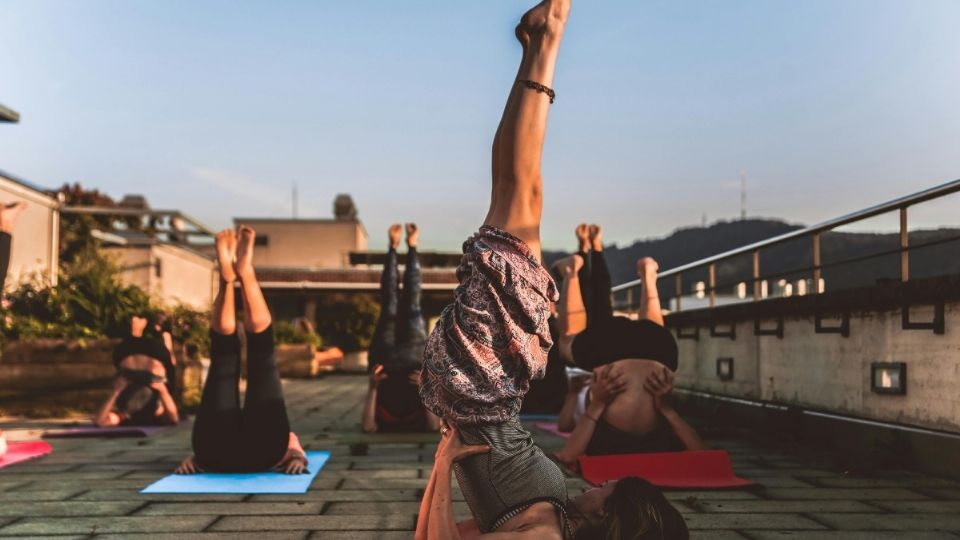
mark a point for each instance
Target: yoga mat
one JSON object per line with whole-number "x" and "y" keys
{"x": 709, "y": 469}
{"x": 89, "y": 431}
{"x": 551, "y": 428}
{"x": 22, "y": 451}
{"x": 246, "y": 483}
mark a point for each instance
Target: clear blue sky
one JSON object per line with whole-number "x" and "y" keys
{"x": 218, "y": 107}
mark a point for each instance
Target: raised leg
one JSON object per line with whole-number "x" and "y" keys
{"x": 517, "y": 195}
{"x": 411, "y": 330}
{"x": 384, "y": 336}
{"x": 650, "y": 308}
{"x": 571, "y": 314}
{"x": 8, "y": 221}
{"x": 601, "y": 306}
{"x": 256, "y": 314}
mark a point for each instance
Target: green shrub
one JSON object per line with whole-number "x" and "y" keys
{"x": 348, "y": 320}
{"x": 290, "y": 333}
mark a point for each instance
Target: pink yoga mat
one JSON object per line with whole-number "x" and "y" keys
{"x": 551, "y": 427}
{"x": 708, "y": 469}
{"x": 22, "y": 451}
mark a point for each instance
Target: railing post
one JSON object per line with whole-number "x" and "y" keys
{"x": 678, "y": 282}
{"x": 713, "y": 285}
{"x": 817, "y": 273}
{"x": 630, "y": 299}
{"x": 756, "y": 275}
{"x": 904, "y": 247}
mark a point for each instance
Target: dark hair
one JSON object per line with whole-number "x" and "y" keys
{"x": 139, "y": 404}
{"x": 636, "y": 510}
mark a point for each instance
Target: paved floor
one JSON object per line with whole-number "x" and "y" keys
{"x": 89, "y": 488}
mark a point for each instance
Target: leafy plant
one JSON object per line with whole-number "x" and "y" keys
{"x": 348, "y": 321}
{"x": 288, "y": 332}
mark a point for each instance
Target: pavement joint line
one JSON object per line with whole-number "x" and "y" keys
{"x": 817, "y": 521}
{"x": 211, "y": 524}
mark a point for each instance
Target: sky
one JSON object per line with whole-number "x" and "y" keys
{"x": 218, "y": 108}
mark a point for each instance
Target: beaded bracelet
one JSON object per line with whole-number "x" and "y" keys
{"x": 533, "y": 85}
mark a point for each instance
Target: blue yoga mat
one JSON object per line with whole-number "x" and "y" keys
{"x": 247, "y": 483}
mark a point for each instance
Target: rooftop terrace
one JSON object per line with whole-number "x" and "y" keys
{"x": 89, "y": 489}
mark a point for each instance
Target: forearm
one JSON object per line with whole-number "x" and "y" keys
{"x": 170, "y": 411}
{"x": 423, "y": 518}
{"x": 684, "y": 431}
{"x": 369, "y": 420}
{"x": 443, "y": 524}
{"x": 433, "y": 421}
{"x": 103, "y": 416}
{"x": 576, "y": 445}
{"x": 566, "y": 421}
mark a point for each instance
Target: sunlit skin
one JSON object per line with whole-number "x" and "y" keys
{"x": 515, "y": 206}
{"x": 235, "y": 257}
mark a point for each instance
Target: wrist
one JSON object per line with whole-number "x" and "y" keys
{"x": 595, "y": 409}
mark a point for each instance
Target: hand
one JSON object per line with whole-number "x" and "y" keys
{"x": 577, "y": 383}
{"x": 607, "y": 385}
{"x": 377, "y": 376}
{"x": 293, "y": 462}
{"x": 414, "y": 378}
{"x": 659, "y": 383}
{"x": 120, "y": 383}
{"x": 188, "y": 466}
{"x": 159, "y": 386}
{"x": 451, "y": 448}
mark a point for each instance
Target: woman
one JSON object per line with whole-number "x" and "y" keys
{"x": 144, "y": 387}
{"x": 494, "y": 339}
{"x": 256, "y": 438}
{"x": 396, "y": 353}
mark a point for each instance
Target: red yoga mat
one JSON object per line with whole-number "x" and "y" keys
{"x": 551, "y": 427}
{"x": 710, "y": 469}
{"x": 22, "y": 451}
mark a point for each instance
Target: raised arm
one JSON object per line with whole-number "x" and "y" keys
{"x": 660, "y": 384}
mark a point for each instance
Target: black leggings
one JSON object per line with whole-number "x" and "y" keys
{"x": 595, "y": 284}
{"x": 606, "y": 338}
{"x": 5, "y": 243}
{"x": 227, "y": 438}
{"x": 401, "y": 333}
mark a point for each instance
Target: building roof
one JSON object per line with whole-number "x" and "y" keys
{"x": 345, "y": 279}
{"x": 26, "y": 184}
{"x": 8, "y": 115}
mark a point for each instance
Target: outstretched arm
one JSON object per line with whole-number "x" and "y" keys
{"x": 660, "y": 384}
{"x": 106, "y": 417}
{"x": 369, "y": 421}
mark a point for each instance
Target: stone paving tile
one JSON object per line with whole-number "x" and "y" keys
{"x": 789, "y": 507}
{"x": 314, "y": 523}
{"x": 67, "y": 508}
{"x": 224, "y": 509}
{"x": 875, "y": 494}
{"x": 854, "y": 482}
{"x": 847, "y": 535}
{"x": 920, "y": 507}
{"x": 361, "y": 535}
{"x": 725, "y": 495}
{"x": 360, "y": 508}
{"x": 750, "y": 521}
{"x": 39, "y": 496}
{"x": 890, "y": 522}
{"x": 90, "y": 525}
{"x": 939, "y": 493}
{"x": 716, "y": 535}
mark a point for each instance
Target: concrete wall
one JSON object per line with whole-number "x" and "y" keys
{"x": 831, "y": 373}
{"x": 306, "y": 243}
{"x": 36, "y": 238}
{"x": 171, "y": 273}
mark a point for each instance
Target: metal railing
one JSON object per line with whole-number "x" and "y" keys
{"x": 814, "y": 233}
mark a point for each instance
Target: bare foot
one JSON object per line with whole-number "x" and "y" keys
{"x": 226, "y": 253}
{"x": 596, "y": 237}
{"x": 9, "y": 214}
{"x": 137, "y": 325}
{"x": 394, "y": 233}
{"x": 413, "y": 235}
{"x": 569, "y": 266}
{"x": 244, "y": 265}
{"x": 647, "y": 269}
{"x": 583, "y": 236}
{"x": 546, "y": 19}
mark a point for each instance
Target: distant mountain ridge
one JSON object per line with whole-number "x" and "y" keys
{"x": 691, "y": 244}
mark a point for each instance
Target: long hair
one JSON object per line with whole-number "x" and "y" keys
{"x": 636, "y": 510}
